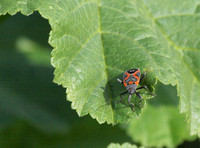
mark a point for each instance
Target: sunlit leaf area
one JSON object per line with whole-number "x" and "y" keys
{"x": 59, "y": 65}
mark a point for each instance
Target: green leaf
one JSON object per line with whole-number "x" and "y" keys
{"x": 30, "y": 104}
{"x": 161, "y": 124}
{"x": 124, "y": 145}
{"x": 180, "y": 27}
{"x": 96, "y": 41}
{"x": 36, "y": 54}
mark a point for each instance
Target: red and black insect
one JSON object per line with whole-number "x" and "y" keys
{"x": 131, "y": 80}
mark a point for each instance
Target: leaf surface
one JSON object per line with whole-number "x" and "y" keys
{"x": 161, "y": 124}
{"x": 96, "y": 41}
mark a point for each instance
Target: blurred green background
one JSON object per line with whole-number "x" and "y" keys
{"x": 33, "y": 110}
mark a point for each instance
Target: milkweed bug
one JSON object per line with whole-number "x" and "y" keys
{"x": 131, "y": 80}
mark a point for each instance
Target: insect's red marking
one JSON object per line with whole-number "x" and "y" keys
{"x": 126, "y": 78}
{"x": 138, "y": 79}
{"x": 131, "y": 82}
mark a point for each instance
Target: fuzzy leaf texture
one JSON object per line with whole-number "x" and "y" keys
{"x": 96, "y": 41}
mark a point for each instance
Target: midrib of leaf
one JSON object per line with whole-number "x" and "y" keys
{"x": 182, "y": 48}
{"x": 100, "y": 30}
{"x": 102, "y": 46}
{"x": 142, "y": 47}
{"x": 120, "y": 35}
{"x": 131, "y": 39}
{"x": 171, "y": 43}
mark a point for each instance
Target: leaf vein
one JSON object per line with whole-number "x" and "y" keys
{"x": 100, "y": 28}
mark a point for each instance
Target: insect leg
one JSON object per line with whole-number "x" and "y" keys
{"x": 131, "y": 104}
{"x": 121, "y": 98}
{"x": 145, "y": 87}
{"x": 138, "y": 94}
{"x": 143, "y": 75}
{"x": 120, "y": 81}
